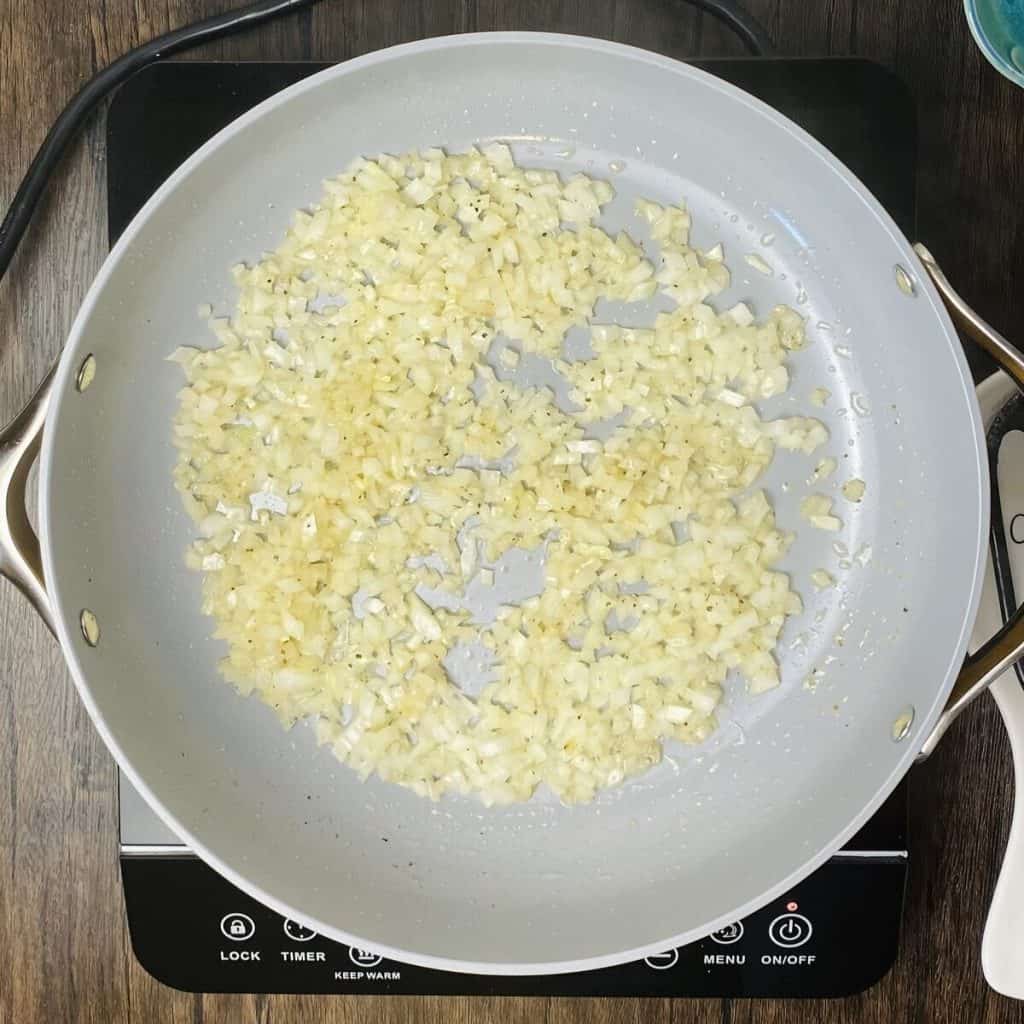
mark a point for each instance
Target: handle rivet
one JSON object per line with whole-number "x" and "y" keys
{"x": 902, "y": 723}
{"x": 86, "y": 373}
{"x": 90, "y": 627}
{"x": 904, "y": 281}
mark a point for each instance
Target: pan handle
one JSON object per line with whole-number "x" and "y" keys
{"x": 1006, "y": 647}
{"x": 20, "y": 557}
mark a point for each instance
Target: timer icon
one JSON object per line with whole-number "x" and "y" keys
{"x": 297, "y": 932}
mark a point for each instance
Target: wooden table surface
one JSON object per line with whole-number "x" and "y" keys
{"x": 64, "y": 952}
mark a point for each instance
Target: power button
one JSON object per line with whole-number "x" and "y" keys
{"x": 790, "y": 930}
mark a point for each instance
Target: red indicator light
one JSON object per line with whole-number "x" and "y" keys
{"x": 791, "y": 906}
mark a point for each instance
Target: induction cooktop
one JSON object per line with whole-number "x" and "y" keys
{"x": 834, "y": 934}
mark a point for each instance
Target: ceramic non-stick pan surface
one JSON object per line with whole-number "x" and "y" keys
{"x": 712, "y": 832}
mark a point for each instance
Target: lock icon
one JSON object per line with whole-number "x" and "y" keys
{"x": 237, "y": 927}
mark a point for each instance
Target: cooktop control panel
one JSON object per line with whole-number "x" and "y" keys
{"x": 832, "y": 935}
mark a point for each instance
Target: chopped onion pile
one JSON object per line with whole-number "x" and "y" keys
{"x": 346, "y": 453}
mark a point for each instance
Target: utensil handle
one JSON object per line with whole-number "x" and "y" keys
{"x": 736, "y": 17}
{"x": 20, "y": 558}
{"x": 1006, "y": 647}
{"x": 1002, "y": 946}
{"x": 1002, "y": 951}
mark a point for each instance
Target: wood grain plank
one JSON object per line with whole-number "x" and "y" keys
{"x": 65, "y": 948}
{"x": 61, "y": 934}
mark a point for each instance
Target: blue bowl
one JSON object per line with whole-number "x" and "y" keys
{"x": 998, "y": 29}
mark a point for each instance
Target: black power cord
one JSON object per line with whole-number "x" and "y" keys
{"x": 73, "y": 116}
{"x": 744, "y": 24}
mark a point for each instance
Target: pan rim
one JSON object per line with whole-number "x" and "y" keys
{"x": 67, "y": 630}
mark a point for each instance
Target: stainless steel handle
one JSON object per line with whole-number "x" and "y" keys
{"x": 20, "y": 558}
{"x": 996, "y": 655}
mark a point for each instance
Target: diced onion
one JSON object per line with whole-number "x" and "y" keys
{"x": 853, "y": 490}
{"x": 817, "y": 510}
{"x": 354, "y": 471}
{"x": 759, "y": 264}
{"x": 822, "y": 579}
{"x": 823, "y": 470}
